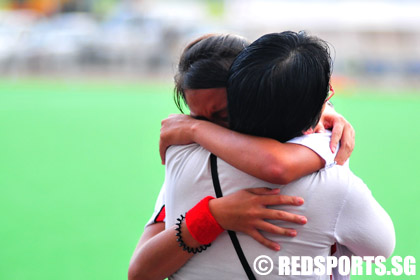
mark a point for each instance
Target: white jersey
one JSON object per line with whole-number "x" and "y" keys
{"x": 313, "y": 141}
{"x": 338, "y": 205}
{"x": 159, "y": 211}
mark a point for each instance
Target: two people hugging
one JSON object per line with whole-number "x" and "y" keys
{"x": 255, "y": 106}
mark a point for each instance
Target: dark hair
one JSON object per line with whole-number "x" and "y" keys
{"x": 205, "y": 63}
{"x": 277, "y": 86}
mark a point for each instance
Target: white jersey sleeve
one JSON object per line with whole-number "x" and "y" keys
{"x": 363, "y": 226}
{"x": 159, "y": 212}
{"x": 316, "y": 142}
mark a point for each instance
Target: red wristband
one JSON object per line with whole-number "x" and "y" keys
{"x": 201, "y": 224}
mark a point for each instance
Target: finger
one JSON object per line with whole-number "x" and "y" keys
{"x": 309, "y": 131}
{"x": 346, "y": 145}
{"x": 272, "y": 214}
{"x": 281, "y": 199}
{"x": 342, "y": 156}
{"x": 264, "y": 241}
{"x": 162, "y": 148}
{"x": 337, "y": 133}
{"x": 162, "y": 151}
{"x": 270, "y": 228}
{"x": 319, "y": 128}
{"x": 264, "y": 191}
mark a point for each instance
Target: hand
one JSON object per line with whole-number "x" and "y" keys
{"x": 342, "y": 132}
{"x": 175, "y": 130}
{"x": 246, "y": 211}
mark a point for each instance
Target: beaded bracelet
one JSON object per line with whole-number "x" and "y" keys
{"x": 181, "y": 242}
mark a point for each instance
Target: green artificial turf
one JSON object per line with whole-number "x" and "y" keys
{"x": 80, "y": 171}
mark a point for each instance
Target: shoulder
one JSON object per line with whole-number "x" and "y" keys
{"x": 186, "y": 157}
{"x": 353, "y": 193}
{"x": 356, "y": 185}
{"x": 340, "y": 182}
{"x": 178, "y": 151}
{"x": 319, "y": 143}
{"x": 344, "y": 175}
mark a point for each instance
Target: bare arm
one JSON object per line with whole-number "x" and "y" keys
{"x": 263, "y": 158}
{"x": 243, "y": 211}
{"x": 158, "y": 254}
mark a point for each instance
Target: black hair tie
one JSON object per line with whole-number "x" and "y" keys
{"x": 181, "y": 242}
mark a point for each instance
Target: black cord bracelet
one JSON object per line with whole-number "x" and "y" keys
{"x": 181, "y": 242}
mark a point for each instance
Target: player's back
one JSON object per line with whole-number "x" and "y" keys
{"x": 328, "y": 196}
